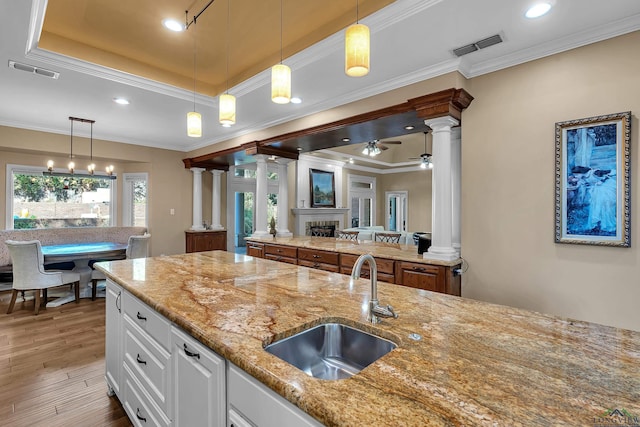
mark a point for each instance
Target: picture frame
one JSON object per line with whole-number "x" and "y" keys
{"x": 322, "y": 188}
{"x": 592, "y": 180}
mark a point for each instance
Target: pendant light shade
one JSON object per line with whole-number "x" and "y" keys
{"x": 227, "y": 109}
{"x": 194, "y": 124}
{"x": 356, "y": 50}
{"x": 280, "y": 84}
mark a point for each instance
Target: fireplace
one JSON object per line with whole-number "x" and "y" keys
{"x": 306, "y": 217}
{"x": 322, "y": 230}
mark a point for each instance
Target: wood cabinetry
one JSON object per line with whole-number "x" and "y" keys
{"x": 255, "y": 249}
{"x": 281, "y": 253}
{"x": 435, "y": 278}
{"x": 323, "y": 260}
{"x": 385, "y": 267}
{"x": 200, "y": 241}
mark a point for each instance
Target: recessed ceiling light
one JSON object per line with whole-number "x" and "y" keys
{"x": 296, "y": 100}
{"x": 346, "y": 139}
{"x": 351, "y": 160}
{"x": 173, "y": 25}
{"x": 409, "y": 127}
{"x": 121, "y": 101}
{"x": 537, "y": 10}
{"x": 299, "y": 148}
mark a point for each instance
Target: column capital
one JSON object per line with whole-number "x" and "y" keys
{"x": 261, "y": 158}
{"x": 216, "y": 172}
{"x": 197, "y": 170}
{"x": 284, "y": 161}
{"x": 442, "y": 123}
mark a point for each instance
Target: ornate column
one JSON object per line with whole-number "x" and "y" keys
{"x": 197, "y": 198}
{"x": 442, "y": 229}
{"x": 215, "y": 200}
{"x": 260, "y": 206}
{"x": 456, "y": 186}
{"x": 282, "y": 227}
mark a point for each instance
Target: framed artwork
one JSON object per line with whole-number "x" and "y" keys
{"x": 322, "y": 188}
{"x": 592, "y": 204}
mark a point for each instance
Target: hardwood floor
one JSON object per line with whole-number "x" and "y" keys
{"x": 52, "y": 366}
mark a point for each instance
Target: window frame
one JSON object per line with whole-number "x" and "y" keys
{"x": 37, "y": 170}
{"x": 128, "y": 199}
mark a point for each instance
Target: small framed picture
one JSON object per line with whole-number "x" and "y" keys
{"x": 322, "y": 188}
{"x": 592, "y": 198}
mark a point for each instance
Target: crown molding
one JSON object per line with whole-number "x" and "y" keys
{"x": 593, "y": 35}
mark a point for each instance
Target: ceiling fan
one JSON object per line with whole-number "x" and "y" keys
{"x": 427, "y": 158}
{"x": 375, "y": 147}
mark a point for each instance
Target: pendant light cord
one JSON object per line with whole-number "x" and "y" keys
{"x": 357, "y": 11}
{"x": 281, "y": 31}
{"x": 228, "y": 37}
{"x": 71, "y": 151}
{"x": 194, "y": 63}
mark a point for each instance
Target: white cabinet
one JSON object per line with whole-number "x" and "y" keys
{"x": 260, "y": 405}
{"x": 113, "y": 336}
{"x": 199, "y": 383}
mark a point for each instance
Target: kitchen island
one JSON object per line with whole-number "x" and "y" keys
{"x": 475, "y": 364}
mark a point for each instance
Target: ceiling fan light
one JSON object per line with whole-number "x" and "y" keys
{"x": 423, "y": 165}
{"x": 227, "y": 113}
{"x": 280, "y": 84}
{"x": 357, "y": 50}
{"x": 194, "y": 124}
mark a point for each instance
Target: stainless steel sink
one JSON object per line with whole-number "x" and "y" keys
{"x": 331, "y": 351}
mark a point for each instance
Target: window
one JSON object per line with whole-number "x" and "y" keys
{"x": 134, "y": 199}
{"x": 39, "y": 200}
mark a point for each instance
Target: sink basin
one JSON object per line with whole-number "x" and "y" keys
{"x": 331, "y": 351}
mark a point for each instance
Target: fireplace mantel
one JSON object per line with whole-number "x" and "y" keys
{"x": 304, "y": 215}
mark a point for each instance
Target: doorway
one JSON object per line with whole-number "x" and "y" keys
{"x": 396, "y": 210}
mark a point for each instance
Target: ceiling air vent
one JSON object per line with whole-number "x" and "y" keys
{"x": 33, "y": 69}
{"x": 481, "y": 44}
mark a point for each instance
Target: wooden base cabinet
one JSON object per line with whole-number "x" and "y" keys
{"x": 429, "y": 277}
{"x": 255, "y": 249}
{"x": 200, "y": 241}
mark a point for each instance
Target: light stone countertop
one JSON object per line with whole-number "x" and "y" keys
{"x": 477, "y": 363}
{"x": 395, "y": 251}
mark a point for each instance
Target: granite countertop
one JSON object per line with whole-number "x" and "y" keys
{"x": 476, "y": 364}
{"x": 393, "y": 251}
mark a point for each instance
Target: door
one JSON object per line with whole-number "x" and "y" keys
{"x": 244, "y": 219}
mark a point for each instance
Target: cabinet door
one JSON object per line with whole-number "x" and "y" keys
{"x": 113, "y": 337}
{"x": 423, "y": 276}
{"x": 199, "y": 383}
{"x": 255, "y": 249}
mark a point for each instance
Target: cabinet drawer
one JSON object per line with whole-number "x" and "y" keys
{"x": 285, "y": 251}
{"x": 255, "y": 249}
{"x": 147, "y": 319}
{"x": 148, "y": 362}
{"x": 320, "y": 266}
{"x": 383, "y": 265}
{"x": 141, "y": 410}
{"x": 324, "y": 257}
{"x": 421, "y": 276}
{"x": 281, "y": 258}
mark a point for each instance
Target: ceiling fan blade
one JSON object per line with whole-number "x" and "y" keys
{"x": 382, "y": 146}
{"x": 390, "y": 142}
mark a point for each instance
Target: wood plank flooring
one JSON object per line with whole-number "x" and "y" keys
{"x": 52, "y": 366}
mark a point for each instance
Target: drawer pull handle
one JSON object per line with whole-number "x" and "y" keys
{"x": 140, "y": 361}
{"x": 119, "y": 302}
{"x": 278, "y": 258}
{"x": 317, "y": 256}
{"x": 190, "y": 354}
{"x": 140, "y": 417}
{"x": 255, "y": 247}
{"x": 279, "y": 250}
{"x": 141, "y": 317}
{"x": 316, "y": 265}
{"x": 418, "y": 268}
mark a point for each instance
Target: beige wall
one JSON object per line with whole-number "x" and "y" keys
{"x": 418, "y": 184}
{"x": 169, "y": 181}
{"x": 508, "y": 186}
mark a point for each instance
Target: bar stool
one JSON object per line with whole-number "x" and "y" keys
{"x": 388, "y": 237}
{"x": 347, "y": 235}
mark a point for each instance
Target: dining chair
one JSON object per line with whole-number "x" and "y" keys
{"x": 347, "y": 235}
{"x": 388, "y": 237}
{"x": 29, "y": 274}
{"x": 137, "y": 247}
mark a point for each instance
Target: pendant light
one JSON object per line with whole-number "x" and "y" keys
{"x": 227, "y": 102}
{"x": 91, "y": 167}
{"x": 280, "y": 76}
{"x": 427, "y": 159}
{"x": 194, "y": 119}
{"x": 357, "y": 49}
{"x": 71, "y": 164}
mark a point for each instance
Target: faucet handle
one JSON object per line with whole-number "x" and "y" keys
{"x": 393, "y": 313}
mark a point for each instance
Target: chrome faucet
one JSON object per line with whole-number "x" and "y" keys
{"x": 376, "y": 311}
